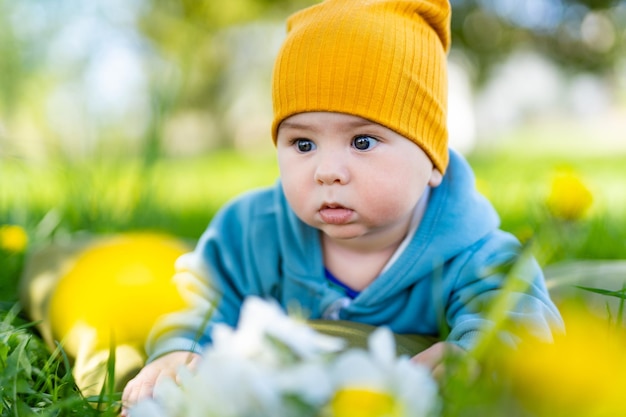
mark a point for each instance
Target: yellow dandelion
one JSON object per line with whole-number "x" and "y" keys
{"x": 120, "y": 285}
{"x": 581, "y": 374}
{"x": 569, "y": 197}
{"x": 13, "y": 238}
{"x": 363, "y": 402}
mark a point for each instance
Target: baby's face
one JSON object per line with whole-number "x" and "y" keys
{"x": 350, "y": 177}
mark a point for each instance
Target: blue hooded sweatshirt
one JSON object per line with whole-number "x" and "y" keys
{"x": 440, "y": 285}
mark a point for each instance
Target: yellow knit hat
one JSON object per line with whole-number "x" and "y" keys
{"x": 383, "y": 60}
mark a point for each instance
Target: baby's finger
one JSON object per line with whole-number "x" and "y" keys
{"x": 140, "y": 391}
{"x": 431, "y": 357}
{"x": 140, "y": 387}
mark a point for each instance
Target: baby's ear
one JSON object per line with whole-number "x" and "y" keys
{"x": 435, "y": 178}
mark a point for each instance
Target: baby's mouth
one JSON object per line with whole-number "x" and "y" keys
{"x": 331, "y": 206}
{"x": 331, "y": 213}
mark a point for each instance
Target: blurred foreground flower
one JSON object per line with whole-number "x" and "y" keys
{"x": 377, "y": 383}
{"x": 113, "y": 280}
{"x": 102, "y": 291}
{"x": 13, "y": 238}
{"x": 582, "y": 374}
{"x": 569, "y": 197}
{"x": 274, "y": 365}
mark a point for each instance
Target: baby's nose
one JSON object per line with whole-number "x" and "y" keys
{"x": 332, "y": 169}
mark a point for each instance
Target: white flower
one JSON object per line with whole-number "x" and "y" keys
{"x": 171, "y": 397}
{"x": 309, "y": 381}
{"x": 147, "y": 408}
{"x": 230, "y": 387}
{"x": 262, "y": 325}
{"x": 379, "y": 370}
{"x": 274, "y": 365}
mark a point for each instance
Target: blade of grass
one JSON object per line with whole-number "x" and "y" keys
{"x": 610, "y": 293}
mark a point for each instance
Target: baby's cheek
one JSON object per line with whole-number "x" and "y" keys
{"x": 388, "y": 201}
{"x": 300, "y": 200}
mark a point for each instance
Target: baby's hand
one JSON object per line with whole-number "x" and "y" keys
{"x": 434, "y": 357}
{"x": 142, "y": 386}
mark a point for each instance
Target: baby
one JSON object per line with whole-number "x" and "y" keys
{"x": 374, "y": 220}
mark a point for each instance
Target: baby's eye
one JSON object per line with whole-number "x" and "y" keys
{"x": 364, "y": 143}
{"x": 304, "y": 145}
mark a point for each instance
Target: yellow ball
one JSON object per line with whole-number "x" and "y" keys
{"x": 118, "y": 286}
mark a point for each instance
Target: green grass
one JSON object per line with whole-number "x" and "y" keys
{"x": 518, "y": 183}
{"x": 109, "y": 195}
{"x": 35, "y": 381}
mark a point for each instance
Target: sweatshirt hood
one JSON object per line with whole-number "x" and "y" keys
{"x": 456, "y": 218}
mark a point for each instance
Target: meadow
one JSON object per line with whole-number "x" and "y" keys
{"x": 63, "y": 199}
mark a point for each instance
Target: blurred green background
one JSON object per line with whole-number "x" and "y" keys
{"x": 149, "y": 114}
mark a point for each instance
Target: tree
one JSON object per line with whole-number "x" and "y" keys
{"x": 579, "y": 35}
{"x": 186, "y": 60}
